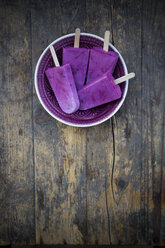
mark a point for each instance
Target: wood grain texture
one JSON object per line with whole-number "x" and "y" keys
{"x": 80, "y": 246}
{"x": 153, "y": 75}
{"x": 125, "y": 179}
{"x": 60, "y": 150}
{"x": 16, "y": 143}
{"x": 99, "y": 146}
{"x": 103, "y": 185}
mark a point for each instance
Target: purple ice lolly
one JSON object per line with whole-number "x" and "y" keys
{"x": 63, "y": 86}
{"x": 78, "y": 59}
{"x": 100, "y": 62}
{"x": 99, "y": 92}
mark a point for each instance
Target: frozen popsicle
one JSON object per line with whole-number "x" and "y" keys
{"x": 101, "y": 61}
{"x": 101, "y": 91}
{"x": 63, "y": 85}
{"x": 78, "y": 59}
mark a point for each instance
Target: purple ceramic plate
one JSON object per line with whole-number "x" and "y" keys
{"x": 47, "y": 98}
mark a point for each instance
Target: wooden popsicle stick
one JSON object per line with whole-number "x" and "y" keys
{"x": 77, "y": 38}
{"x": 54, "y": 56}
{"x": 106, "y": 41}
{"x": 124, "y": 78}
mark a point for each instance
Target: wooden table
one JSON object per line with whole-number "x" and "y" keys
{"x": 67, "y": 185}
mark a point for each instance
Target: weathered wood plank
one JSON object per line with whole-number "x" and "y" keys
{"x": 153, "y": 75}
{"x": 99, "y": 145}
{"x": 59, "y": 149}
{"x": 125, "y": 177}
{"x": 16, "y": 142}
{"x": 80, "y": 246}
{"x": 99, "y": 162}
{"x": 142, "y": 159}
{"x": 98, "y": 17}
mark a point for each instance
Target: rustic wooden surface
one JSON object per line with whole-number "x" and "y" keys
{"x": 66, "y": 185}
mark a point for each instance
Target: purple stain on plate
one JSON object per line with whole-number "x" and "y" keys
{"x": 87, "y": 117}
